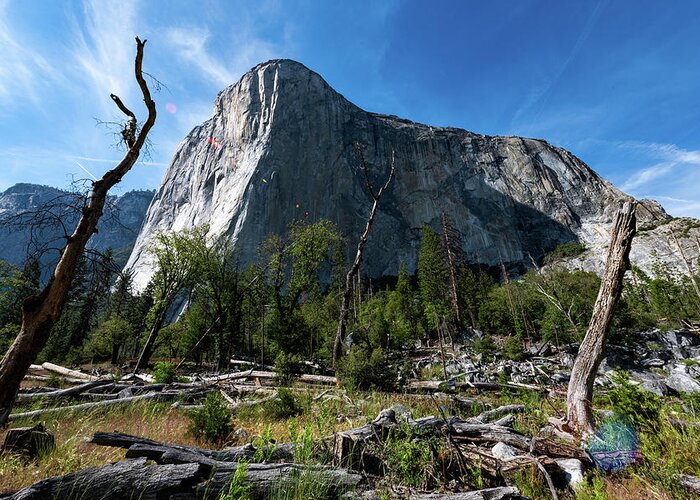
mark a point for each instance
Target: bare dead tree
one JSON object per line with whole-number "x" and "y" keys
{"x": 40, "y": 312}
{"x": 347, "y": 294}
{"x": 579, "y": 395}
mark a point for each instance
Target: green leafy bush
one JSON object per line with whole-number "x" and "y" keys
{"x": 630, "y": 402}
{"x": 485, "y": 345}
{"x": 213, "y": 421}
{"x": 237, "y": 488}
{"x": 363, "y": 369}
{"x": 513, "y": 348}
{"x": 164, "y": 373}
{"x": 410, "y": 457}
{"x": 566, "y": 250}
{"x": 287, "y": 368}
{"x": 285, "y": 405}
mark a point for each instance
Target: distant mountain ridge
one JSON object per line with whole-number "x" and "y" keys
{"x": 117, "y": 229}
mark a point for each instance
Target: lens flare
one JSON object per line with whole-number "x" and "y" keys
{"x": 171, "y": 108}
{"x": 614, "y": 446}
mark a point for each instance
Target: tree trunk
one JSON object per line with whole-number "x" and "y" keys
{"x": 347, "y": 294}
{"x": 40, "y": 312}
{"x": 580, "y": 392}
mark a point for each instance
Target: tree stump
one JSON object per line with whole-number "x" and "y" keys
{"x": 29, "y": 441}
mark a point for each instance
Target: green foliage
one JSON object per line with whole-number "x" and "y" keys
{"x": 55, "y": 380}
{"x": 364, "y": 369}
{"x": 213, "y": 421}
{"x": 7, "y": 336}
{"x": 164, "y": 373}
{"x": 264, "y": 445}
{"x": 513, "y": 348}
{"x": 285, "y": 405}
{"x": 484, "y": 345}
{"x": 565, "y": 251}
{"x": 237, "y": 488}
{"x": 433, "y": 278}
{"x": 410, "y": 457}
{"x": 287, "y": 368}
{"x": 16, "y": 285}
{"x": 304, "y": 445}
{"x": 107, "y": 338}
{"x": 632, "y": 403}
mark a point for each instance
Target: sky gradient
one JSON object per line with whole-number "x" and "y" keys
{"x": 615, "y": 82}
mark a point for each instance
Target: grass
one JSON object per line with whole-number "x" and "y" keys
{"x": 667, "y": 450}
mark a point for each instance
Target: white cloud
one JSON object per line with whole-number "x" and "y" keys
{"x": 23, "y": 71}
{"x": 105, "y": 49}
{"x": 672, "y": 157}
{"x": 190, "y": 45}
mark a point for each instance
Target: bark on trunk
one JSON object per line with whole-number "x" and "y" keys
{"x": 347, "y": 294}
{"x": 580, "y": 392}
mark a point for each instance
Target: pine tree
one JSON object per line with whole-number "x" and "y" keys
{"x": 433, "y": 279}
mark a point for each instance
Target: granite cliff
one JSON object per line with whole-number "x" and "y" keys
{"x": 279, "y": 148}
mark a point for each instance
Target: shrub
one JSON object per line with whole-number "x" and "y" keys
{"x": 55, "y": 380}
{"x": 237, "y": 488}
{"x": 410, "y": 457}
{"x": 513, "y": 348}
{"x": 363, "y": 369}
{"x": 485, "y": 345}
{"x": 164, "y": 373}
{"x": 285, "y": 405}
{"x": 287, "y": 368}
{"x": 633, "y": 403}
{"x": 213, "y": 421}
{"x": 564, "y": 251}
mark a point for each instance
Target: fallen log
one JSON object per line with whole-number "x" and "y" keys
{"x": 264, "y": 479}
{"x": 125, "y": 479}
{"x": 44, "y": 378}
{"x": 219, "y": 465}
{"x": 489, "y": 415}
{"x": 501, "y": 493}
{"x": 265, "y": 375}
{"x": 691, "y": 483}
{"x": 155, "y": 450}
{"x": 62, "y": 393}
{"x": 67, "y": 372}
{"x": 438, "y": 385}
{"x": 89, "y": 406}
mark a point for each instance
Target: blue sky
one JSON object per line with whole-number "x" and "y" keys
{"x": 615, "y": 82}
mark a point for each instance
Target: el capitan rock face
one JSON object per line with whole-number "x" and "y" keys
{"x": 279, "y": 148}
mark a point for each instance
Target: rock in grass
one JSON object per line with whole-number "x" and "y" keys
{"x": 573, "y": 470}
{"x": 504, "y": 452}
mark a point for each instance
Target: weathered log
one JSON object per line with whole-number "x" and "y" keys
{"x": 252, "y": 374}
{"x": 44, "y": 378}
{"x": 263, "y": 479}
{"x": 68, "y": 372}
{"x": 154, "y": 450}
{"x": 489, "y": 415}
{"x": 89, "y": 406}
{"x": 125, "y": 479}
{"x": 437, "y": 385}
{"x": 579, "y": 394}
{"x": 691, "y": 483}
{"x": 500, "y": 493}
{"x": 62, "y": 393}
